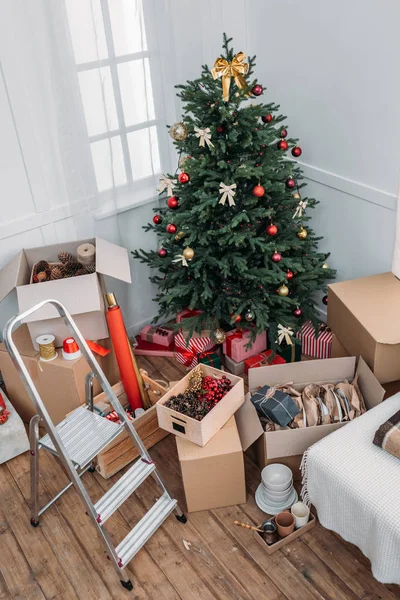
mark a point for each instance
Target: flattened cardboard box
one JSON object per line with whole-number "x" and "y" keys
{"x": 363, "y": 314}
{"x": 82, "y": 296}
{"x": 287, "y": 445}
{"x": 60, "y": 383}
{"x": 213, "y": 475}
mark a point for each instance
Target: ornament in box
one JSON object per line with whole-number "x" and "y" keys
{"x": 275, "y": 405}
{"x": 317, "y": 344}
{"x": 236, "y": 342}
{"x": 157, "y": 335}
{"x": 263, "y": 360}
{"x": 187, "y": 350}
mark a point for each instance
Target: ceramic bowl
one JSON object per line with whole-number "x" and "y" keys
{"x": 279, "y": 502}
{"x": 277, "y": 479}
{"x": 278, "y": 495}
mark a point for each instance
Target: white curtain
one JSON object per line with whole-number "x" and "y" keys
{"x": 396, "y": 252}
{"x": 84, "y": 82}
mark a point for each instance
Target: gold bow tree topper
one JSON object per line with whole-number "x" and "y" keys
{"x": 236, "y": 69}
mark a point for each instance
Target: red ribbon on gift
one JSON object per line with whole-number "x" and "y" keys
{"x": 187, "y": 353}
{"x": 235, "y": 335}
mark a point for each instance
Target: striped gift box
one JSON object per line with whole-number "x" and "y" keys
{"x": 187, "y": 351}
{"x": 317, "y": 346}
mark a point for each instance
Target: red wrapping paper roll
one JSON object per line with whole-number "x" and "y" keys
{"x": 122, "y": 352}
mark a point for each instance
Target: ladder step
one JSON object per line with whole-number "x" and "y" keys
{"x": 84, "y": 434}
{"x": 145, "y": 528}
{"x": 121, "y": 490}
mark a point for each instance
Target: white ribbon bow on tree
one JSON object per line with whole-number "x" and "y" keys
{"x": 167, "y": 184}
{"x": 227, "y": 191}
{"x": 301, "y": 207}
{"x": 204, "y": 136}
{"x": 285, "y": 333}
{"x": 182, "y": 259}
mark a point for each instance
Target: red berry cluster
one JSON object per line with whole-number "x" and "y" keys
{"x": 215, "y": 389}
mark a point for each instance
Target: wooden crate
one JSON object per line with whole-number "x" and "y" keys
{"x": 200, "y": 432}
{"x": 282, "y": 542}
{"x": 121, "y": 450}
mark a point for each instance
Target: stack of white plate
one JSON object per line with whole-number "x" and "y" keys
{"x": 276, "y": 492}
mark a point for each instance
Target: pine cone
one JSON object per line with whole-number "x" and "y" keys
{"x": 66, "y": 257}
{"x": 69, "y": 269}
{"x": 42, "y": 265}
{"x": 55, "y": 272}
{"x": 90, "y": 268}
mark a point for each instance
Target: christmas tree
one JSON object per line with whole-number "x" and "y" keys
{"x": 234, "y": 238}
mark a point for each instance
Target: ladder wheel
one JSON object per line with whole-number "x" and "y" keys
{"x": 34, "y": 523}
{"x": 181, "y": 518}
{"x": 128, "y": 585}
{"x": 92, "y": 469}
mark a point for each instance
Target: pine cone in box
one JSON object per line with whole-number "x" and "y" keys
{"x": 90, "y": 268}
{"x": 55, "y": 272}
{"x": 42, "y": 265}
{"x": 66, "y": 257}
{"x": 69, "y": 269}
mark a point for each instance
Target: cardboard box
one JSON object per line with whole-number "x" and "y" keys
{"x": 201, "y": 432}
{"x": 363, "y": 313}
{"x": 60, "y": 383}
{"x": 234, "y": 367}
{"x": 281, "y": 445}
{"x": 338, "y": 350}
{"x": 213, "y": 476}
{"x": 83, "y": 296}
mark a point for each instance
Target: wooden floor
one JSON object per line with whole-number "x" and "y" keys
{"x": 206, "y": 558}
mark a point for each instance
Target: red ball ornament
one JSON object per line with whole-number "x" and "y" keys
{"x": 183, "y": 177}
{"x": 236, "y": 318}
{"x": 266, "y": 118}
{"x": 272, "y": 229}
{"x": 297, "y": 151}
{"x": 276, "y": 257}
{"x": 258, "y": 191}
{"x": 157, "y": 219}
{"x": 283, "y": 145}
{"x": 289, "y": 275}
{"x": 325, "y": 300}
{"x": 173, "y": 202}
{"x": 283, "y": 133}
{"x": 220, "y": 129}
{"x": 162, "y": 252}
{"x": 257, "y": 90}
{"x": 298, "y": 313}
{"x": 290, "y": 183}
{"x": 171, "y": 228}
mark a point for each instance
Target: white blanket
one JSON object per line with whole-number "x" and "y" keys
{"x": 355, "y": 487}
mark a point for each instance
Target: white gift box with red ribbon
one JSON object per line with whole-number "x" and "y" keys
{"x": 187, "y": 351}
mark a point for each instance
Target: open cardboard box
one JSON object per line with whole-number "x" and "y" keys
{"x": 200, "y": 432}
{"x": 363, "y": 314}
{"x": 287, "y": 445}
{"x": 82, "y": 296}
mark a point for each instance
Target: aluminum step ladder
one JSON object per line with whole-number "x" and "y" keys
{"x": 78, "y": 439}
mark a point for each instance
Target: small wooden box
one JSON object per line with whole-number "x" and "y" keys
{"x": 121, "y": 451}
{"x": 282, "y": 542}
{"x": 200, "y": 432}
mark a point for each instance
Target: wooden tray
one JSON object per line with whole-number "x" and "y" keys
{"x": 283, "y": 541}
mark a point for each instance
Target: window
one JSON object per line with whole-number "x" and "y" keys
{"x": 112, "y": 58}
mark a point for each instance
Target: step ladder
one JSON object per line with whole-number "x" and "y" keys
{"x": 78, "y": 439}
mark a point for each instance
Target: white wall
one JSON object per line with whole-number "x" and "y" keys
{"x": 332, "y": 68}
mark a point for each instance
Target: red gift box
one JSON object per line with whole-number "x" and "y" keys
{"x": 316, "y": 344}
{"x": 262, "y": 360}
{"x": 186, "y": 314}
{"x": 187, "y": 352}
{"x": 236, "y": 342}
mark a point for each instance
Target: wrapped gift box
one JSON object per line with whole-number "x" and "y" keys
{"x": 316, "y": 344}
{"x": 291, "y": 353}
{"x": 210, "y": 358}
{"x": 262, "y": 360}
{"x": 275, "y": 405}
{"x": 237, "y": 368}
{"x": 187, "y": 350}
{"x": 236, "y": 342}
{"x": 157, "y": 335}
{"x": 186, "y": 314}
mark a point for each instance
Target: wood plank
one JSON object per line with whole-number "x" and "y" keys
{"x": 4, "y": 593}
{"x": 14, "y": 567}
{"x": 63, "y": 551}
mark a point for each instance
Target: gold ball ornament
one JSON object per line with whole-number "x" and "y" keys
{"x": 325, "y": 266}
{"x": 179, "y": 236}
{"x": 188, "y": 253}
{"x": 283, "y": 290}
{"x": 178, "y": 132}
{"x": 249, "y": 316}
{"x": 302, "y": 234}
{"x": 220, "y": 336}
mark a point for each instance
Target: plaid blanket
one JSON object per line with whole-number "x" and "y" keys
{"x": 388, "y": 435}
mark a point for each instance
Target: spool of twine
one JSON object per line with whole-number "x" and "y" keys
{"x": 86, "y": 254}
{"x": 47, "y": 349}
